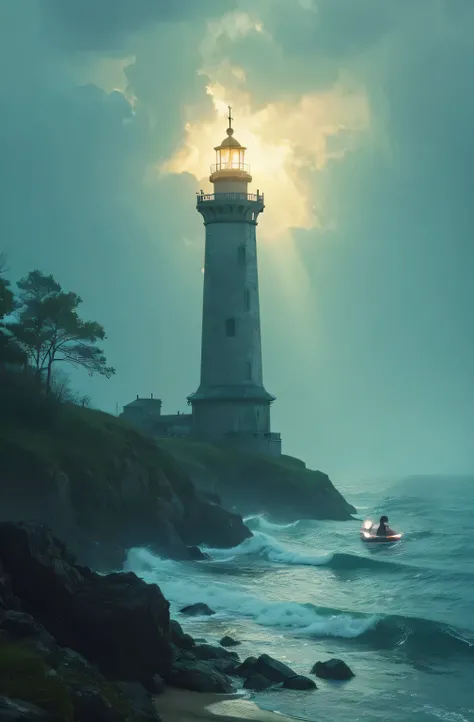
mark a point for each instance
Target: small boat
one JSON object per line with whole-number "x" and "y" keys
{"x": 368, "y": 534}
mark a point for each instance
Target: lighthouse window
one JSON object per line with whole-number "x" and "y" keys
{"x": 230, "y": 327}
{"x": 247, "y": 299}
{"x": 248, "y": 370}
{"x": 241, "y": 255}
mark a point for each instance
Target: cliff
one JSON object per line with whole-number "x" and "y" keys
{"x": 103, "y": 487}
{"x": 280, "y": 486}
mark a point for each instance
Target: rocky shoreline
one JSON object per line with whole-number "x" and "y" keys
{"x": 79, "y": 646}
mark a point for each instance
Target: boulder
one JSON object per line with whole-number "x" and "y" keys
{"x": 90, "y": 704}
{"x": 195, "y": 554}
{"x": 229, "y": 642}
{"x": 197, "y": 610}
{"x": 122, "y": 624}
{"x": 207, "y": 652}
{"x": 139, "y": 701}
{"x": 257, "y": 683}
{"x": 97, "y": 698}
{"x": 205, "y": 522}
{"x": 179, "y": 638}
{"x": 247, "y": 668}
{"x": 299, "y": 682}
{"x": 15, "y": 710}
{"x": 272, "y": 669}
{"x": 198, "y": 676}
{"x": 334, "y": 669}
{"x": 116, "y": 621}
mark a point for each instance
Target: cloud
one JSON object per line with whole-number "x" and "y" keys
{"x": 288, "y": 141}
{"x": 106, "y": 25}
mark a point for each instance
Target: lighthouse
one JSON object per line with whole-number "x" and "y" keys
{"x": 231, "y": 404}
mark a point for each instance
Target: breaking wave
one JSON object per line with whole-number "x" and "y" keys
{"x": 414, "y": 638}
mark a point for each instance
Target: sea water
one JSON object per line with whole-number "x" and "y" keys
{"x": 401, "y": 616}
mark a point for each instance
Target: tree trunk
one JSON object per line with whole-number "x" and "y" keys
{"x": 48, "y": 375}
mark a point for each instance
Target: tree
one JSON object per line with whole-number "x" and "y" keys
{"x": 50, "y": 331}
{"x": 10, "y": 352}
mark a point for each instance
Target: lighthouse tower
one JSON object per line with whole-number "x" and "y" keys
{"x": 231, "y": 404}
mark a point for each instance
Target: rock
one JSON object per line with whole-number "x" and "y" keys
{"x": 334, "y": 669}
{"x": 196, "y": 554}
{"x": 7, "y": 599}
{"x": 198, "y": 676}
{"x": 228, "y": 642}
{"x": 21, "y": 626}
{"x": 207, "y": 652}
{"x": 272, "y": 669}
{"x": 211, "y": 496}
{"x": 116, "y": 621}
{"x": 226, "y": 666}
{"x": 299, "y": 682}
{"x": 15, "y": 710}
{"x": 257, "y": 683}
{"x": 247, "y": 668}
{"x": 179, "y": 638}
{"x": 122, "y": 624}
{"x": 219, "y": 659}
{"x": 90, "y": 704}
{"x": 197, "y": 610}
{"x": 207, "y": 523}
{"x": 139, "y": 700}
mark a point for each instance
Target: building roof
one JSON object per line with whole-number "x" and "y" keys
{"x": 140, "y": 403}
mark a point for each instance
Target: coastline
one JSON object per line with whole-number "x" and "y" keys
{"x": 178, "y": 705}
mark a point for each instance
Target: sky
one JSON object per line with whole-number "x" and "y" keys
{"x": 358, "y": 116}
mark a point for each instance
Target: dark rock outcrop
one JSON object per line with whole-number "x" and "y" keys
{"x": 197, "y": 610}
{"x": 117, "y": 621}
{"x": 179, "y": 638}
{"x": 334, "y": 669}
{"x": 229, "y": 642}
{"x": 299, "y": 682}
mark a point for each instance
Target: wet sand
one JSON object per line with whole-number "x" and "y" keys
{"x": 177, "y": 705}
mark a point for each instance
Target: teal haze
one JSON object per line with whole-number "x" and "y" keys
{"x": 385, "y": 383}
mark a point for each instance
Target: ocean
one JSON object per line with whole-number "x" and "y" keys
{"x": 401, "y": 616}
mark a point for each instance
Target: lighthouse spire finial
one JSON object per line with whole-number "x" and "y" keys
{"x": 230, "y": 130}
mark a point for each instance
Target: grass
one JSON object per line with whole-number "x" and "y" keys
{"x": 25, "y": 676}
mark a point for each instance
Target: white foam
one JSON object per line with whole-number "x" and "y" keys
{"x": 264, "y": 546}
{"x": 261, "y": 521}
{"x": 181, "y": 588}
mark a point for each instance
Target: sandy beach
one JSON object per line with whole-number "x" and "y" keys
{"x": 177, "y": 705}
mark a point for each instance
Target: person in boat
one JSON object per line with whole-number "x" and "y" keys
{"x": 384, "y": 529}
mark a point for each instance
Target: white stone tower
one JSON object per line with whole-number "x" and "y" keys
{"x": 231, "y": 404}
